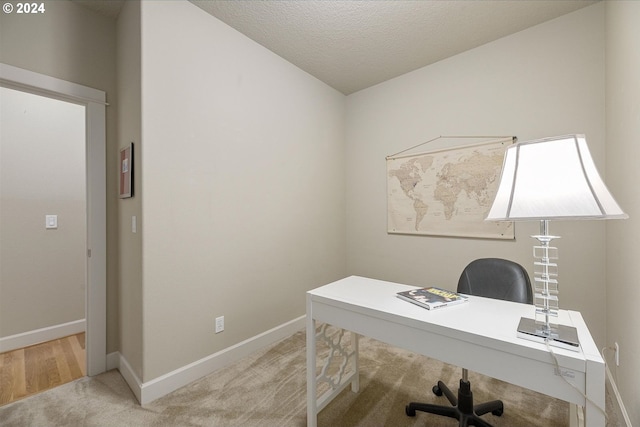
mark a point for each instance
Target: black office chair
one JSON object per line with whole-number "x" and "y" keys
{"x": 491, "y": 278}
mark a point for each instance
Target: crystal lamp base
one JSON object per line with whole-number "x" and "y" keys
{"x": 562, "y": 336}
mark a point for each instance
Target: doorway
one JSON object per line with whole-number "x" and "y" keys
{"x": 83, "y": 213}
{"x": 42, "y": 215}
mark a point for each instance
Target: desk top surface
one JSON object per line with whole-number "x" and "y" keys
{"x": 480, "y": 319}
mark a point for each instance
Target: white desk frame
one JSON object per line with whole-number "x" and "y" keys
{"x": 480, "y": 335}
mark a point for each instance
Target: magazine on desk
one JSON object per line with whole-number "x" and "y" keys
{"x": 432, "y": 297}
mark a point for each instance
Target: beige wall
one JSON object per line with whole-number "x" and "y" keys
{"x": 623, "y": 176}
{"x": 544, "y": 81}
{"x": 130, "y": 243}
{"x": 72, "y": 43}
{"x": 242, "y": 186}
{"x": 42, "y": 172}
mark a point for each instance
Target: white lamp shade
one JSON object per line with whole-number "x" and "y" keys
{"x": 552, "y": 178}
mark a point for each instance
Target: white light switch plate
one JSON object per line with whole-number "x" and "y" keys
{"x": 51, "y": 221}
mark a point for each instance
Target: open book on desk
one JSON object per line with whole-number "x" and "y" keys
{"x": 432, "y": 297}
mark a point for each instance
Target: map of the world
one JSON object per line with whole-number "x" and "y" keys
{"x": 447, "y": 192}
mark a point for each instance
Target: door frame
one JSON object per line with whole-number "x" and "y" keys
{"x": 95, "y": 112}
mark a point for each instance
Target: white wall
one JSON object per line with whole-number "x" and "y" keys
{"x": 242, "y": 187}
{"x": 129, "y": 252}
{"x": 623, "y": 176}
{"x": 544, "y": 81}
{"x": 42, "y": 172}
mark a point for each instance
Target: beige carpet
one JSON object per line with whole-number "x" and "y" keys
{"x": 268, "y": 389}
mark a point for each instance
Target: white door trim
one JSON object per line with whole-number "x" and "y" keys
{"x": 96, "y": 290}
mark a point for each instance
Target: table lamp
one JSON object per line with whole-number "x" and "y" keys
{"x": 550, "y": 179}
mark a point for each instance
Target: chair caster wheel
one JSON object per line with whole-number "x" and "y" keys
{"x": 410, "y": 412}
{"x": 436, "y": 390}
{"x": 498, "y": 412}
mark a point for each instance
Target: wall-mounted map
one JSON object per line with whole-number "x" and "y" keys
{"x": 447, "y": 192}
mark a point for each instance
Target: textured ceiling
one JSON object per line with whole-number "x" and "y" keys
{"x": 351, "y": 45}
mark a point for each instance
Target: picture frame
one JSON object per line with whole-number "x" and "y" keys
{"x": 125, "y": 162}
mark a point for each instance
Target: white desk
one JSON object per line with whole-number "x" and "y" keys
{"x": 480, "y": 335}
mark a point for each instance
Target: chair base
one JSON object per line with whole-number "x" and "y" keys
{"x": 462, "y": 408}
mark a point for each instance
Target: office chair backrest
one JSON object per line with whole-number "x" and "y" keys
{"x": 496, "y": 278}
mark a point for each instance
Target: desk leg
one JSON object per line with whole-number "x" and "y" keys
{"x": 312, "y": 400}
{"x": 595, "y": 391}
{"x": 340, "y": 368}
{"x": 576, "y": 415}
{"x": 355, "y": 345}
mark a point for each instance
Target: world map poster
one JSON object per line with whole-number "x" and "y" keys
{"x": 447, "y": 192}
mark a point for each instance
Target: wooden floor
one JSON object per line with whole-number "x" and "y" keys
{"x": 30, "y": 370}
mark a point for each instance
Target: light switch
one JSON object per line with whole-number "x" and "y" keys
{"x": 134, "y": 224}
{"x": 51, "y": 221}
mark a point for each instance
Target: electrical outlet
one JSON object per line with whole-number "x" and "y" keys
{"x": 617, "y": 354}
{"x": 219, "y": 324}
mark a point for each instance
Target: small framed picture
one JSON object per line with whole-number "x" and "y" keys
{"x": 126, "y": 171}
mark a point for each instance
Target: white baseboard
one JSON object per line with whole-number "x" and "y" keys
{"x": 38, "y": 336}
{"x": 130, "y": 377}
{"x": 616, "y": 393}
{"x": 113, "y": 360}
{"x": 151, "y": 390}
